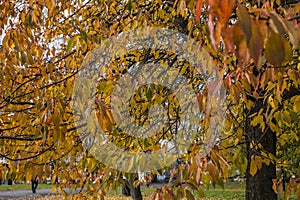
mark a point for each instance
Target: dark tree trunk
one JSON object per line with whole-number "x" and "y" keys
{"x": 259, "y": 186}
{"x": 135, "y": 191}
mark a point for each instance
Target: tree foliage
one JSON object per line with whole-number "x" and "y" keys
{"x": 43, "y": 44}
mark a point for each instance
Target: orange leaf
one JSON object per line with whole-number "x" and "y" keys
{"x": 297, "y": 8}
{"x": 227, "y": 7}
{"x": 274, "y": 187}
{"x": 212, "y": 171}
{"x": 227, "y": 36}
{"x": 199, "y": 10}
{"x": 218, "y": 33}
{"x": 255, "y": 95}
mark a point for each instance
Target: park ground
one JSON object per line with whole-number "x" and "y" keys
{"x": 232, "y": 191}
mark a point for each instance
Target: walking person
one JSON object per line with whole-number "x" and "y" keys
{"x": 34, "y": 183}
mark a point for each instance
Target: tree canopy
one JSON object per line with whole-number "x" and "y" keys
{"x": 253, "y": 45}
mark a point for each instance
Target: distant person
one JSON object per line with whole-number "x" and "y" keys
{"x": 34, "y": 183}
{"x": 125, "y": 188}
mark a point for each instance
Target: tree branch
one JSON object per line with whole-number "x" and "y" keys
{"x": 20, "y": 138}
{"x": 26, "y": 158}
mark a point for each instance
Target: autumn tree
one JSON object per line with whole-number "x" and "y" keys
{"x": 261, "y": 79}
{"x": 43, "y": 46}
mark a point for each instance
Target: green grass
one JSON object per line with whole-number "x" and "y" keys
{"x": 232, "y": 191}
{"x": 24, "y": 187}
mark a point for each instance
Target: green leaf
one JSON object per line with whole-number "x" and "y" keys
{"x": 70, "y": 45}
{"x": 206, "y": 180}
{"x": 257, "y": 120}
{"x": 129, "y": 5}
{"x": 23, "y": 57}
{"x": 83, "y": 35}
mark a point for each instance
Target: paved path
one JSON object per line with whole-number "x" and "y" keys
{"x": 24, "y": 194}
{"x": 27, "y": 194}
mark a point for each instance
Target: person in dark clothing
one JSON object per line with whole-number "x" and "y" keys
{"x": 34, "y": 183}
{"x": 126, "y": 188}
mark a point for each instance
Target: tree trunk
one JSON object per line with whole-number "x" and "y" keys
{"x": 259, "y": 186}
{"x": 135, "y": 191}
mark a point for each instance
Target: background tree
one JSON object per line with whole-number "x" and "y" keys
{"x": 257, "y": 79}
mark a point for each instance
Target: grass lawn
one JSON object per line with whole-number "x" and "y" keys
{"x": 232, "y": 191}
{"x": 24, "y": 186}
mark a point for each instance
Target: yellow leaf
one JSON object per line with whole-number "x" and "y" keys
{"x": 53, "y": 190}
{"x": 296, "y": 107}
{"x": 258, "y": 162}
{"x": 253, "y": 167}
{"x": 257, "y": 120}
{"x": 294, "y": 136}
{"x": 274, "y": 187}
{"x": 298, "y": 191}
{"x": 50, "y": 6}
{"x": 28, "y": 175}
